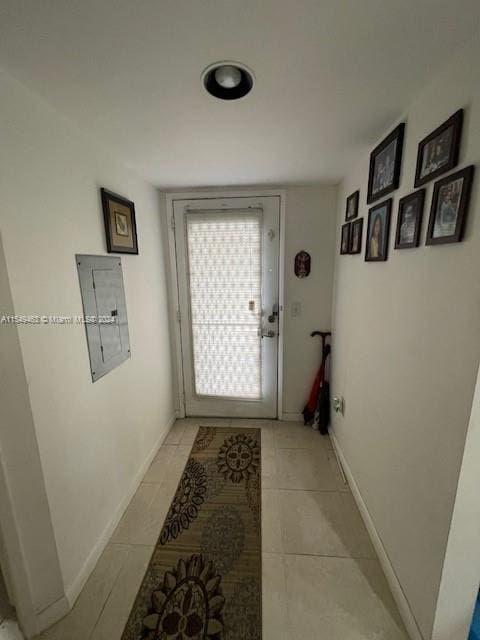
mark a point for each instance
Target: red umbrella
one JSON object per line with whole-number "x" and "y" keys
{"x": 319, "y": 399}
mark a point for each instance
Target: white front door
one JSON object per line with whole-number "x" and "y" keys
{"x": 227, "y": 264}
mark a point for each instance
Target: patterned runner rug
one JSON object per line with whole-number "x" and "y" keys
{"x": 204, "y": 578}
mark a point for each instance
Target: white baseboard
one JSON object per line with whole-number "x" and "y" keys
{"x": 73, "y": 590}
{"x": 393, "y": 582}
{"x": 52, "y": 613}
{"x": 292, "y": 417}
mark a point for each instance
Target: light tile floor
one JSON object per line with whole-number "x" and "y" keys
{"x": 321, "y": 578}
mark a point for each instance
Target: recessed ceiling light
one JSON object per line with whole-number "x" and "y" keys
{"x": 228, "y": 80}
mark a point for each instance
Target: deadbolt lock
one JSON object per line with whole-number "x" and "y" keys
{"x": 273, "y": 316}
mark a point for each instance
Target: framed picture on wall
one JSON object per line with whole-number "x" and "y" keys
{"x": 385, "y": 164}
{"x": 356, "y": 236}
{"x": 438, "y": 152}
{"x": 376, "y": 247}
{"x": 345, "y": 239}
{"x": 120, "y": 223}
{"x": 409, "y": 220}
{"x": 449, "y": 208}
{"x": 351, "y": 211}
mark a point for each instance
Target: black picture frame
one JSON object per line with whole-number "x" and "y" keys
{"x": 353, "y": 198}
{"x": 121, "y": 235}
{"x": 356, "y": 225}
{"x": 448, "y": 133}
{"x": 411, "y": 205}
{"x": 435, "y": 233}
{"x": 391, "y": 145}
{"x": 345, "y": 239}
{"x": 383, "y": 209}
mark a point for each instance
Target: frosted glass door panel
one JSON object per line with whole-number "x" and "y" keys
{"x": 224, "y": 254}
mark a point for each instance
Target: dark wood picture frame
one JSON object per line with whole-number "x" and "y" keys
{"x": 455, "y": 123}
{"x": 355, "y": 197}
{"x": 372, "y": 214}
{"x": 355, "y": 224}
{"x": 417, "y": 198}
{"x": 396, "y": 135}
{"x": 462, "y": 210}
{"x": 109, "y": 198}
{"x": 345, "y": 241}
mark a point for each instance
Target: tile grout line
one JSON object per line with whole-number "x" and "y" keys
{"x": 307, "y": 490}
{"x": 320, "y": 555}
{"x": 288, "y": 615}
{"x": 131, "y": 544}
{"x": 110, "y": 591}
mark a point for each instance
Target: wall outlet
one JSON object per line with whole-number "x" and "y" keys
{"x": 338, "y": 404}
{"x": 295, "y": 309}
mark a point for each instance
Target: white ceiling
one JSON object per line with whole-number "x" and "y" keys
{"x": 331, "y": 75}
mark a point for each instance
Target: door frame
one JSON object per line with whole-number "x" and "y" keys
{"x": 174, "y": 310}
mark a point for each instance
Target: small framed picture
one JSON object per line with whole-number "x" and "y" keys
{"x": 345, "y": 241}
{"x": 351, "y": 211}
{"x": 438, "y": 152}
{"x": 120, "y": 224}
{"x": 376, "y": 249}
{"x": 385, "y": 163}
{"x": 409, "y": 220}
{"x": 356, "y": 236}
{"x": 448, "y": 213}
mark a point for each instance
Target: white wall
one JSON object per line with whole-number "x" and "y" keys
{"x": 461, "y": 570}
{"x": 94, "y": 439}
{"x": 406, "y": 353}
{"x": 27, "y": 546}
{"x": 309, "y": 225}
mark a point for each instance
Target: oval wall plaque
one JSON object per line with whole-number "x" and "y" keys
{"x": 302, "y": 264}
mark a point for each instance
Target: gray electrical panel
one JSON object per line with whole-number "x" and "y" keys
{"x": 104, "y": 312}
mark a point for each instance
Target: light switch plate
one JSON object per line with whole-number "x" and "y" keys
{"x": 295, "y": 309}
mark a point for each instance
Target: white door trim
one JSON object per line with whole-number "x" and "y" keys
{"x": 175, "y": 305}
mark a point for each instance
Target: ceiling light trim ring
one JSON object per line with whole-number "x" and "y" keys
{"x": 239, "y": 90}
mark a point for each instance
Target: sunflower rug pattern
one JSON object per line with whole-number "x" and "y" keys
{"x": 203, "y": 581}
